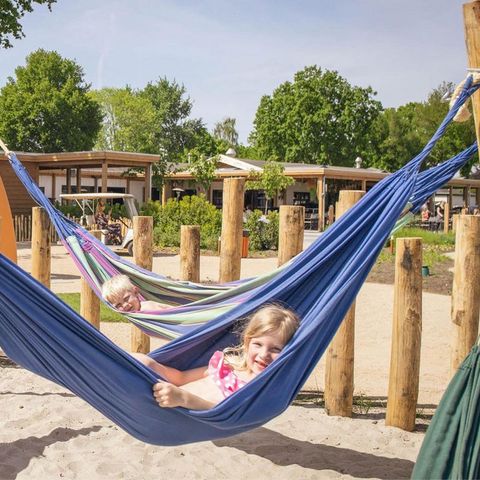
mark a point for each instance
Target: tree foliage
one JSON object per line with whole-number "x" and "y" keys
{"x": 401, "y": 133}
{"x": 46, "y": 107}
{"x": 11, "y": 12}
{"x": 271, "y": 180}
{"x": 202, "y": 168}
{"x": 128, "y": 121}
{"x": 226, "y": 131}
{"x": 174, "y": 132}
{"x": 318, "y": 118}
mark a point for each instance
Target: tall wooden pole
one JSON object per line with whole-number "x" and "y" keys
{"x": 446, "y": 216}
{"x": 89, "y": 301}
{"x": 232, "y": 228}
{"x": 471, "y": 18}
{"x": 290, "y": 232}
{"x": 466, "y": 288}
{"x": 143, "y": 256}
{"x": 41, "y": 251}
{"x": 190, "y": 253}
{"x": 340, "y": 353}
{"x": 406, "y": 336}
{"x": 321, "y": 203}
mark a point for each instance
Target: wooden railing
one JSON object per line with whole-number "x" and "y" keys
{"x": 22, "y": 225}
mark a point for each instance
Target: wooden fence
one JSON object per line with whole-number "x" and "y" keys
{"x": 22, "y": 225}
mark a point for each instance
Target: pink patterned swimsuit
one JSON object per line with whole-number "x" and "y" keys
{"x": 223, "y": 375}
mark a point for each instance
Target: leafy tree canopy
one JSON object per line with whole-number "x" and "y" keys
{"x": 318, "y": 118}
{"x": 401, "y": 133}
{"x": 128, "y": 121}
{"x": 226, "y": 131}
{"x": 11, "y": 12}
{"x": 271, "y": 179}
{"x": 46, "y": 107}
{"x": 174, "y": 131}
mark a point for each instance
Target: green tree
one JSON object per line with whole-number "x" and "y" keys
{"x": 202, "y": 168}
{"x": 271, "y": 180}
{"x": 401, "y": 133}
{"x": 225, "y": 130}
{"x": 318, "y": 118}
{"x": 11, "y": 12}
{"x": 46, "y": 107}
{"x": 174, "y": 131}
{"x": 128, "y": 121}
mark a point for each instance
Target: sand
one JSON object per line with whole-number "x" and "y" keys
{"x": 46, "y": 432}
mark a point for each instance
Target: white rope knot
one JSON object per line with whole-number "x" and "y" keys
{"x": 463, "y": 113}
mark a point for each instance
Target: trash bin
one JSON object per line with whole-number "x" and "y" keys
{"x": 245, "y": 242}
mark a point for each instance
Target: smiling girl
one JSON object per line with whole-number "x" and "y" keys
{"x": 263, "y": 338}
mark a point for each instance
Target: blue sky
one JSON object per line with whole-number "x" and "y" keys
{"x": 228, "y": 54}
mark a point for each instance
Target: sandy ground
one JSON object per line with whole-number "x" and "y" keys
{"x": 46, "y": 432}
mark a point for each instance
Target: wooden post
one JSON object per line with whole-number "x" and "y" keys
{"x": 104, "y": 176}
{"x": 331, "y": 214}
{"x": 471, "y": 18}
{"x": 321, "y": 203}
{"x": 148, "y": 183}
{"x": 477, "y": 197}
{"x": 69, "y": 180}
{"x": 41, "y": 252}
{"x": 406, "y": 336}
{"x": 455, "y": 222}
{"x": 89, "y": 302}
{"x": 466, "y": 288}
{"x": 232, "y": 228}
{"x": 79, "y": 180}
{"x": 446, "y": 216}
{"x": 143, "y": 257}
{"x": 190, "y": 253}
{"x": 340, "y": 353}
{"x": 290, "y": 232}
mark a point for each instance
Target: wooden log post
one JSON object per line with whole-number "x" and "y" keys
{"x": 455, "y": 221}
{"x": 190, "y": 253}
{"x": 232, "y": 228}
{"x": 331, "y": 214}
{"x": 406, "y": 335}
{"x": 89, "y": 302}
{"x": 321, "y": 203}
{"x": 41, "y": 251}
{"x": 466, "y": 288}
{"x": 446, "y": 217}
{"x": 340, "y": 353}
{"x": 290, "y": 232}
{"x": 471, "y": 20}
{"x": 143, "y": 257}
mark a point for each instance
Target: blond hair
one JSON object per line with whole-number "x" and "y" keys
{"x": 267, "y": 320}
{"x": 115, "y": 287}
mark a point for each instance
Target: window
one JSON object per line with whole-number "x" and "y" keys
{"x": 217, "y": 198}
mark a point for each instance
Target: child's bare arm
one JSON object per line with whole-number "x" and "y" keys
{"x": 169, "y": 396}
{"x": 177, "y": 377}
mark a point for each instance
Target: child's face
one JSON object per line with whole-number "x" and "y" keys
{"x": 262, "y": 351}
{"x": 128, "y": 301}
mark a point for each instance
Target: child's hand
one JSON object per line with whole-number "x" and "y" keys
{"x": 168, "y": 395}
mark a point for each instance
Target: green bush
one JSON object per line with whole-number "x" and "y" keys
{"x": 69, "y": 209}
{"x": 263, "y": 230}
{"x": 187, "y": 211}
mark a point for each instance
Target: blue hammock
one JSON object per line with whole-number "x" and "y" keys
{"x": 44, "y": 335}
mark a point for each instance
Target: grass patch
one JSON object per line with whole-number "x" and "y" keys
{"x": 106, "y": 313}
{"x": 428, "y": 237}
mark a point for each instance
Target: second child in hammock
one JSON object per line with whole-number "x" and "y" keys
{"x": 263, "y": 338}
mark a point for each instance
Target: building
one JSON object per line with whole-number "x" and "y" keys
{"x": 316, "y": 186}
{"x": 72, "y": 172}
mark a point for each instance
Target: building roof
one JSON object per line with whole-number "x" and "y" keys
{"x": 91, "y": 159}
